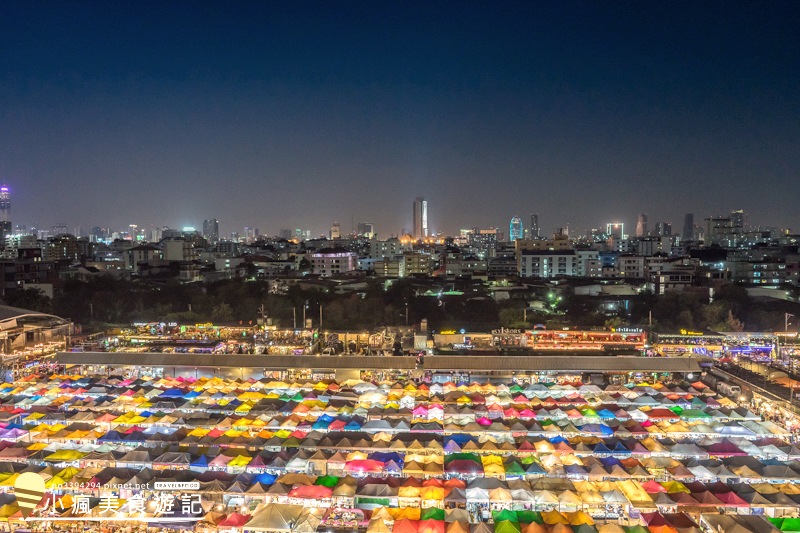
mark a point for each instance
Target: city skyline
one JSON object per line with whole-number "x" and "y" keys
{"x": 658, "y": 229}
{"x": 273, "y": 115}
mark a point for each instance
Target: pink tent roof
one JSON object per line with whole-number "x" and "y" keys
{"x": 730, "y": 499}
{"x": 220, "y": 460}
{"x": 363, "y": 465}
{"x": 311, "y": 492}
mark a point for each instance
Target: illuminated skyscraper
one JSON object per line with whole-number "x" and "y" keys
{"x": 5, "y": 214}
{"x": 515, "y": 229}
{"x": 641, "y": 226}
{"x": 420, "y": 218}
{"x": 5, "y": 204}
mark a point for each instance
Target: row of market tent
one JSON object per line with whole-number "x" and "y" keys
{"x": 571, "y": 450}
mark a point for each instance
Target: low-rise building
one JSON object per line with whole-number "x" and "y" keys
{"x": 548, "y": 263}
{"x": 332, "y": 261}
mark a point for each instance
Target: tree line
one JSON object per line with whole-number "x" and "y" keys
{"x": 104, "y": 301}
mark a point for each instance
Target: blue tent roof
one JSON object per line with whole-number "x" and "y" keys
{"x": 601, "y": 448}
{"x": 267, "y": 479}
{"x": 610, "y": 462}
{"x": 385, "y": 457}
{"x": 460, "y": 438}
{"x": 620, "y": 448}
{"x": 320, "y": 424}
{"x": 597, "y": 429}
{"x": 201, "y": 461}
{"x": 112, "y": 435}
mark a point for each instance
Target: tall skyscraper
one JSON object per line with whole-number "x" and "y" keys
{"x": 664, "y": 229}
{"x": 211, "y": 230}
{"x": 336, "y": 231}
{"x": 688, "y": 227}
{"x": 5, "y": 214}
{"x": 535, "y": 232}
{"x": 515, "y": 229}
{"x": 420, "y": 218}
{"x": 641, "y": 226}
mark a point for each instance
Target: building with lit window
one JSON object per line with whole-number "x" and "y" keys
{"x": 333, "y": 261}
{"x": 548, "y": 263}
{"x": 535, "y": 232}
{"x": 211, "y": 230}
{"x": 515, "y": 229}
{"x": 420, "y": 218}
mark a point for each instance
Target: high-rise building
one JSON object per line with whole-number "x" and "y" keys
{"x": 641, "y": 226}
{"x": 5, "y": 204}
{"x": 250, "y": 234}
{"x": 738, "y": 219}
{"x": 336, "y": 231}
{"x": 5, "y": 214}
{"x": 664, "y": 229}
{"x": 420, "y": 218}
{"x": 366, "y": 229}
{"x": 688, "y": 227}
{"x": 515, "y": 229}
{"x": 535, "y": 231}
{"x": 211, "y": 230}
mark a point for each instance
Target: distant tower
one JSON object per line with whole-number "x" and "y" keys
{"x": 535, "y": 232}
{"x": 366, "y": 229}
{"x": 641, "y": 226}
{"x": 738, "y": 219}
{"x": 211, "y": 230}
{"x": 420, "y": 218}
{"x": 5, "y": 214}
{"x": 336, "y": 231}
{"x": 515, "y": 229}
{"x": 5, "y": 204}
{"x": 688, "y": 227}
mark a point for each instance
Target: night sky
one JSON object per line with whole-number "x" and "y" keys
{"x": 298, "y": 114}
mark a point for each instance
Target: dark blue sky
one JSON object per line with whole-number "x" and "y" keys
{"x": 298, "y": 114}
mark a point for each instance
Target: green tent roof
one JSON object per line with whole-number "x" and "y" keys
{"x": 530, "y": 517}
{"x": 327, "y": 481}
{"x": 505, "y": 514}
{"x": 432, "y": 513}
{"x": 506, "y": 526}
